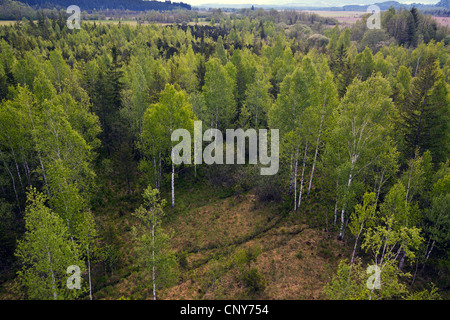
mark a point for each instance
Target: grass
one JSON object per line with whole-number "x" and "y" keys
{"x": 210, "y": 225}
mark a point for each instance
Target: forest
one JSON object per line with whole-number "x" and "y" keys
{"x": 135, "y": 5}
{"x": 359, "y": 208}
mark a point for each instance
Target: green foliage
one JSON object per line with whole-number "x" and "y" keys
{"x": 254, "y": 281}
{"x": 245, "y": 257}
{"x": 153, "y": 255}
{"x": 362, "y": 114}
{"x": 363, "y": 215}
{"x": 353, "y": 282}
{"x": 425, "y": 114}
{"x": 348, "y": 283}
{"x": 432, "y": 294}
{"x": 45, "y": 252}
{"x": 219, "y": 93}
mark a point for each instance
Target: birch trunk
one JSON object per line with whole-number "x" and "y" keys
{"x": 379, "y": 189}
{"x": 427, "y": 256}
{"x": 13, "y": 181}
{"x": 295, "y": 181}
{"x": 402, "y": 260}
{"x": 291, "y": 176}
{"x": 159, "y": 172}
{"x": 153, "y": 257}
{"x": 15, "y": 162}
{"x": 40, "y": 160}
{"x": 337, "y": 201}
{"x": 156, "y": 172}
{"x": 315, "y": 155}
{"x": 27, "y": 169}
{"x": 409, "y": 182}
{"x": 303, "y": 175}
{"x": 89, "y": 272}
{"x": 55, "y": 297}
{"x": 341, "y": 231}
{"x": 173, "y": 185}
{"x": 356, "y": 244}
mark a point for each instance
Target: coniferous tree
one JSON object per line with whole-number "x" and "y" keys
{"x": 426, "y": 112}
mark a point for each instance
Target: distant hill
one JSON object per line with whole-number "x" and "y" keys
{"x": 134, "y": 5}
{"x": 383, "y": 6}
{"x": 328, "y": 5}
{"x": 443, "y": 4}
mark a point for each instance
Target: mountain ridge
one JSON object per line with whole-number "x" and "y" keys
{"x": 135, "y": 5}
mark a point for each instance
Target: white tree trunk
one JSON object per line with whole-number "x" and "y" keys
{"x": 15, "y": 162}
{"x": 379, "y": 189}
{"x": 409, "y": 182}
{"x": 295, "y": 181}
{"x": 173, "y": 185}
{"x": 153, "y": 257}
{"x": 27, "y": 169}
{"x": 89, "y": 272}
{"x": 427, "y": 256}
{"x": 55, "y": 297}
{"x": 337, "y": 201}
{"x": 356, "y": 243}
{"x": 13, "y": 181}
{"x": 303, "y": 175}
{"x": 341, "y": 231}
{"x": 156, "y": 172}
{"x": 159, "y": 171}
{"x": 315, "y": 155}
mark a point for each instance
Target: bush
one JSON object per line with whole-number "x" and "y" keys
{"x": 268, "y": 188}
{"x": 182, "y": 260}
{"x": 254, "y": 281}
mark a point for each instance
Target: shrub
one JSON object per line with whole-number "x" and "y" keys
{"x": 254, "y": 281}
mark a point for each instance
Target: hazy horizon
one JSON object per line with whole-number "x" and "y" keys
{"x": 317, "y": 3}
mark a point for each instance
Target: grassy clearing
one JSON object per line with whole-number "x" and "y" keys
{"x": 211, "y": 227}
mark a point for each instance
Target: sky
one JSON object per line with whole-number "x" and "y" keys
{"x": 316, "y": 3}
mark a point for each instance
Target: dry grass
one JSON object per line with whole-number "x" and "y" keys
{"x": 343, "y": 17}
{"x": 288, "y": 275}
{"x": 211, "y": 229}
{"x": 7, "y": 22}
{"x": 443, "y": 21}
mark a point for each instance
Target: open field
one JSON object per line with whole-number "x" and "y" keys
{"x": 6, "y": 22}
{"x": 443, "y": 21}
{"x": 344, "y": 18}
{"x": 211, "y": 229}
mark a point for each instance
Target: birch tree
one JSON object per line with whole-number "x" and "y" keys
{"x": 287, "y": 114}
{"x": 135, "y": 99}
{"x": 386, "y": 243}
{"x": 45, "y": 252}
{"x": 219, "y": 94}
{"x": 257, "y": 99}
{"x": 327, "y": 100}
{"x": 362, "y": 217}
{"x": 437, "y": 220}
{"x": 153, "y": 255}
{"x": 361, "y": 132}
{"x": 173, "y": 111}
